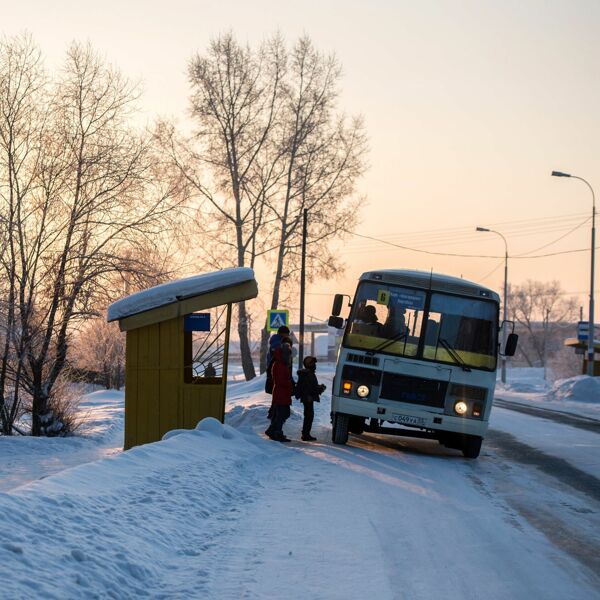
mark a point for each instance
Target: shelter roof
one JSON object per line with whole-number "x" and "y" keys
{"x": 183, "y": 296}
{"x": 576, "y": 343}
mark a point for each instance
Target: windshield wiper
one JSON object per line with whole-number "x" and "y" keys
{"x": 454, "y": 354}
{"x": 385, "y": 344}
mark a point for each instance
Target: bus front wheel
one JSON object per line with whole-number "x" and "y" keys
{"x": 340, "y": 428}
{"x": 472, "y": 446}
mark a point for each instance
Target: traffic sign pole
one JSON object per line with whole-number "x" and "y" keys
{"x": 302, "y": 289}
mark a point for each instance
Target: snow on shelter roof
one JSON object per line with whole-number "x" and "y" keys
{"x": 177, "y": 291}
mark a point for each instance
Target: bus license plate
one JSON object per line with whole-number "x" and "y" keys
{"x": 408, "y": 420}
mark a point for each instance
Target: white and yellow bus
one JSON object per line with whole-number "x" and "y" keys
{"x": 419, "y": 351}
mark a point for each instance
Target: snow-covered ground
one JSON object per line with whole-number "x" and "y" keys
{"x": 222, "y": 512}
{"x": 25, "y": 459}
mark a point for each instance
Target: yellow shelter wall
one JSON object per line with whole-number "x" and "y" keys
{"x": 156, "y": 397}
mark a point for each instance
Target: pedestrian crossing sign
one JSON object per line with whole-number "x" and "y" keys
{"x": 277, "y": 318}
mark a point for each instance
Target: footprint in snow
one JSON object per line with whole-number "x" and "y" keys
{"x": 12, "y": 548}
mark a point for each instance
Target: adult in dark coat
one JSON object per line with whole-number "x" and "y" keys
{"x": 283, "y": 388}
{"x": 283, "y": 333}
{"x": 275, "y": 341}
{"x": 309, "y": 391}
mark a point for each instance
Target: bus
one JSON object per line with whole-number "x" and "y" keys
{"x": 418, "y": 358}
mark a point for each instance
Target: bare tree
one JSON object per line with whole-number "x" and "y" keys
{"x": 235, "y": 98}
{"x": 540, "y": 310}
{"x": 79, "y": 211}
{"x": 319, "y": 155}
{"x": 269, "y": 145}
{"x": 98, "y": 354}
{"x": 22, "y": 126}
{"x": 100, "y": 351}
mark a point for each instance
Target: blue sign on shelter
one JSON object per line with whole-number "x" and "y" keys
{"x": 197, "y": 322}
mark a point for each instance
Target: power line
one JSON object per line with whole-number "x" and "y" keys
{"x": 357, "y": 249}
{"x": 467, "y": 236}
{"x": 458, "y": 255}
{"x": 517, "y": 223}
{"x": 522, "y": 227}
{"x": 463, "y": 235}
{"x": 558, "y": 239}
{"x": 492, "y": 271}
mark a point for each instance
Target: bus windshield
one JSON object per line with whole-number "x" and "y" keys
{"x": 454, "y": 329}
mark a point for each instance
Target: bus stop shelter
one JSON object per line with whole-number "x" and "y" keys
{"x": 581, "y": 347}
{"x": 177, "y": 346}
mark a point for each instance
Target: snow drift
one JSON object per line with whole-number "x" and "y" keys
{"x": 131, "y": 525}
{"x": 582, "y": 388}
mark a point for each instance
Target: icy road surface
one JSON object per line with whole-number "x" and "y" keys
{"x": 223, "y": 513}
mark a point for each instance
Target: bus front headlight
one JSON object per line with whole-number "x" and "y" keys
{"x": 363, "y": 391}
{"x": 460, "y": 408}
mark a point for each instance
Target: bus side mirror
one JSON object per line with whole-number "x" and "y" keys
{"x": 511, "y": 344}
{"x": 335, "y": 321}
{"x": 338, "y": 302}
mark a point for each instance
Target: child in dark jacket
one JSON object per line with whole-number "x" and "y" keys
{"x": 308, "y": 391}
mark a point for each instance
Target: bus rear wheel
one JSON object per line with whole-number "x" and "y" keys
{"x": 339, "y": 434}
{"x": 472, "y": 446}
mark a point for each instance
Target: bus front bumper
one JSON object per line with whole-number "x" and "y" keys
{"x": 408, "y": 415}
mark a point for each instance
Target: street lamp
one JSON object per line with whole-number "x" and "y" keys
{"x": 590, "y": 365}
{"x": 504, "y": 331}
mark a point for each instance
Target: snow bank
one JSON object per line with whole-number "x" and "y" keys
{"x": 579, "y": 395}
{"x": 173, "y": 291}
{"x": 581, "y": 388}
{"x": 132, "y": 525}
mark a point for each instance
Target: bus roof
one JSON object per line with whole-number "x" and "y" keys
{"x": 437, "y": 281}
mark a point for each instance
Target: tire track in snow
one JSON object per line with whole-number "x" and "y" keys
{"x": 509, "y": 447}
{"x": 549, "y": 517}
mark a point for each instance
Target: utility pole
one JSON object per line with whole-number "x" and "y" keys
{"x": 302, "y": 288}
{"x": 504, "y": 329}
{"x": 591, "y": 329}
{"x": 546, "y": 325}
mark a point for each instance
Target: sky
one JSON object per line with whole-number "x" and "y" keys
{"x": 468, "y": 107}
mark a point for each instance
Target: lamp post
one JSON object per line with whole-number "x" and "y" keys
{"x": 590, "y": 365}
{"x": 505, "y": 295}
